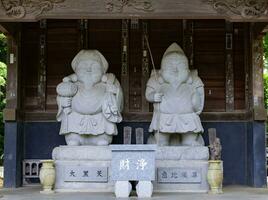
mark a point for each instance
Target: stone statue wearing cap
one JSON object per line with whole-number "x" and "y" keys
{"x": 89, "y": 101}
{"x": 178, "y": 97}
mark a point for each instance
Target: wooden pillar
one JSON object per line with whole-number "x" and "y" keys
{"x": 247, "y": 67}
{"x": 42, "y": 69}
{"x": 13, "y": 149}
{"x": 188, "y": 41}
{"x": 145, "y": 65}
{"x": 12, "y": 88}
{"x": 125, "y": 66}
{"x": 229, "y": 73}
{"x": 259, "y": 112}
{"x": 256, "y": 139}
{"x": 84, "y": 34}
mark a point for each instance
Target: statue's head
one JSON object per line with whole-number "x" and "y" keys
{"x": 174, "y": 65}
{"x": 89, "y": 64}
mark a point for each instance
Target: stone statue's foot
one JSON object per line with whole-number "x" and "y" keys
{"x": 98, "y": 140}
{"x": 192, "y": 139}
{"x": 162, "y": 139}
{"x": 151, "y": 139}
{"x": 73, "y": 139}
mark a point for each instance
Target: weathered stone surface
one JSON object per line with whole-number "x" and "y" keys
{"x": 178, "y": 97}
{"x": 182, "y": 153}
{"x": 200, "y": 165}
{"x": 122, "y": 189}
{"x": 104, "y": 153}
{"x": 89, "y": 101}
{"x": 82, "y": 153}
{"x": 87, "y": 157}
{"x": 101, "y": 157}
{"x": 133, "y": 162}
{"x": 144, "y": 189}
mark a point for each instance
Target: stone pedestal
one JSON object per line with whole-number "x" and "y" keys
{"x": 181, "y": 169}
{"x": 83, "y": 169}
{"x": 88, "y": 168}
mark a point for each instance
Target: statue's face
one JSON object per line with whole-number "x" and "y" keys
{"x": 89, "y": 70}
{"x": 174, "y": 70}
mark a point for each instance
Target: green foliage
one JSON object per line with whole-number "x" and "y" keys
{"x": 265, "y": 82}
{"x": 3, "y": 75}
{"x": 265, "y": 46}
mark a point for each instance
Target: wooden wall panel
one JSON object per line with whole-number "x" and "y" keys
{"x": 105, "y": 36}
{"x": 209, "y": 59}
{"x": 30, "y": 63}
{"x": 135, "y": 69}
{"x": 163, "y": 33}
{"x": 239, "y": 66}
{"x": 63, "y": 43}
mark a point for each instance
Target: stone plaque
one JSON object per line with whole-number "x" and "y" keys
{"x": 78, "y": 173}
{"x": 133, "y": 162}
{"x": 178, "y": 175}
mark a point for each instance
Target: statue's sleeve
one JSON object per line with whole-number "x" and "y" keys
{"x": 153, "y": 86}
{"x": 119, "y": 96}
{"x": 199, "y": 89}
{"x": 60, "y": 109}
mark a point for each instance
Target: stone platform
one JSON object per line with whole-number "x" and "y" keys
{"x": 88, "y": 169}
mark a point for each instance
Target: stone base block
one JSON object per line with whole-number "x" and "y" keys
{"x": 83, "y": 169}
{"x": 88, "y": 169}
{"x": 144, "y": 189}
{"x": 122, "y": 189}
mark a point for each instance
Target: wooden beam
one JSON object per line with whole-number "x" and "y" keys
{"x": 146, "y": 9}
{"x": 147, "y": 117}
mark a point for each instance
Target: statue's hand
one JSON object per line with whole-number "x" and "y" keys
{"x": 111, "y": 88}
{"x": 158, "y": 97}
{"x": 66, "y": 102}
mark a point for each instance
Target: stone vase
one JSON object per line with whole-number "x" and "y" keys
{"x": 47, "y": 176}
{"x": 215, "y": 176}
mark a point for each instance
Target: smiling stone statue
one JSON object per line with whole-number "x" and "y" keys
{"x": 89, "y": 101}
{"x": 178, "y": 97}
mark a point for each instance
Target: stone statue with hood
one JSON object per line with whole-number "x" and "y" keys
{"x": 178, "y": 97}
{"x": 89, "y": 101}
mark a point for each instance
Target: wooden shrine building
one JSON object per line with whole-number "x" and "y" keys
{"x": 221, "y": 38}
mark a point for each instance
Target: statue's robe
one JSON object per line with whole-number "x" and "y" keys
{"x": 175, "y": 113}
{"x": 91, "y": 111}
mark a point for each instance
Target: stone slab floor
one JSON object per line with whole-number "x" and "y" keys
{"x": 230, "y": 193}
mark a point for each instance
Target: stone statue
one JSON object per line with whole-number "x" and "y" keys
{"x": 215, "y": 150}
{"x": 178, "y": 97}
{"x": 89, "y": 101}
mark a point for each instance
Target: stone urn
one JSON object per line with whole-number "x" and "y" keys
{"x": 215, "y": 176}
{"x": 47, "y": 176}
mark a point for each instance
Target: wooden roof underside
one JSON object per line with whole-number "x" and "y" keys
{"x": 233, "y": 10}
